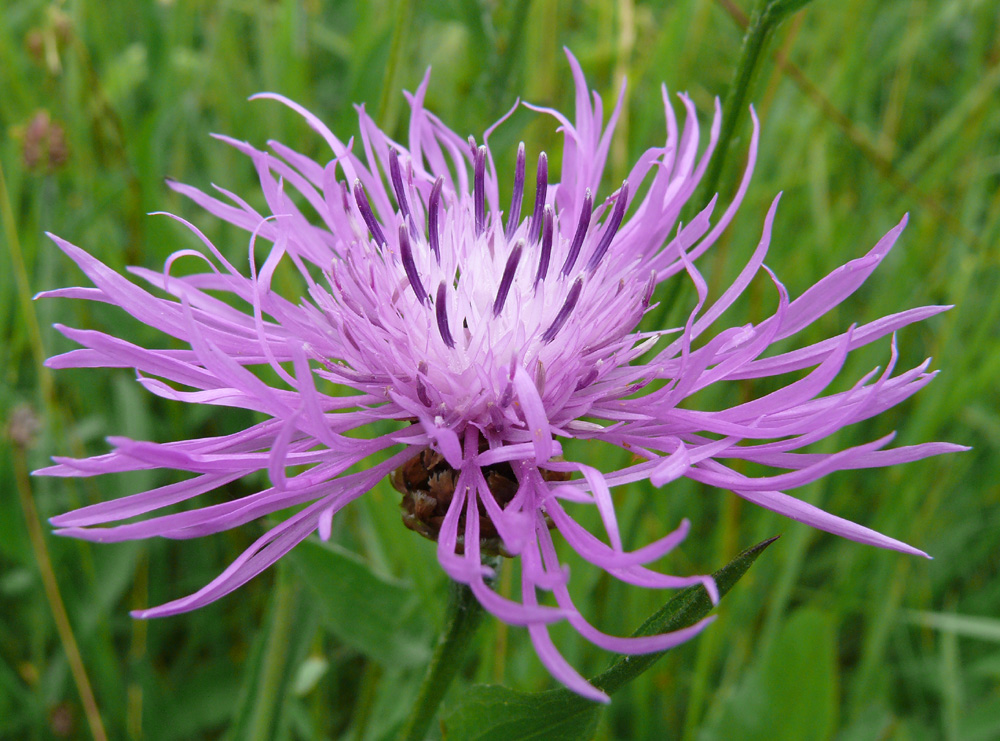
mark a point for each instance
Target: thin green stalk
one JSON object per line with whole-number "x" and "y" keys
{"x": 369, "y": 684}
{"x": 462, "y": 619}
{"x": 388, "y": 102}
{"x": 763, "y": 20}
{"x": 54, "y": 597}
{"x": 24, "y": 292}
{"x": 503, "y": 79}
{"x": 274, "y": 665}
{"x": 896, "y": 176}
{"x": 23, "y": 482}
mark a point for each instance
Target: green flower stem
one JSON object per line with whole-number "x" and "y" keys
{"x": 54, "y": 596}
{"x": 763, "y": 20}
{"x": 462, "y": 619}
{"x": 274, "y": 667}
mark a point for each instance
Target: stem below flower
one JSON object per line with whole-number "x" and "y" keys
{"x": 765, "y": 17}
{"x": 461, "y": 621}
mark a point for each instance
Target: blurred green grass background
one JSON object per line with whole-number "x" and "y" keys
{"x": 870, "y": 109}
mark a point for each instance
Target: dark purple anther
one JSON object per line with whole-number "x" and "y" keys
{"x": 496, "y": 417}
{"x": 541, "y": 185}
{"x": 647, "y": 294}
{"x": 540, "y": 378}
{"x": 433, "y": 206}
{"x": 515, "y": 199}
{"x": 441, "y": 312}
{"x": 350, "y": 338}
{"x": 616, "y": 219}
{"x": 586, "y": 211}
{"x": 422, "y": 394}
{"x": 479, "y": 190}
{"x": 366, "y": 213}
{"x": 508, "y": 277}
{"x": 345, "y": 195}
{"x": 406, "y": 253}
{"x": 507, "y": 396}
{"x": 543, "y": 260}
{"x": 587, "y": 379}
{"x": 397, "y": 184}
{"x": 564, "y": 312}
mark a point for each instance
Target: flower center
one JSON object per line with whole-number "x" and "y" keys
{"x": 427, "y": 484}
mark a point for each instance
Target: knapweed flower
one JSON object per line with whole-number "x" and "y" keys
{"x": 490, "y": 333}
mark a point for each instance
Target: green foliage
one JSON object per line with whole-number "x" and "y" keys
{"x": 368, "y": 612}
{"x": 868, "y": 109}
{"x": 494, "y": 713}
{"x": 273, "y": 667}
{"x": 790, "y": 692}
{"x": 498, "y": 713}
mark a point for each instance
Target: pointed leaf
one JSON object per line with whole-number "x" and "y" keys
{"x": 369, "y": 612}
{"x": 494, "y": 713}
{"x": 489, "y": 712}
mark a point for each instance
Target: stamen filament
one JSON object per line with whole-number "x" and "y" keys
{"x": 441, "y": 312}
{"x": 433, "y": 205}
{"x": 479, "y": 190}
{"x": 397, "y": 184}
{"x": 366, "y": 213}
{"x": 543, "y": 260}
{"x": 515, "y": 199}
{"x": 613, "y": 224}
{"x": 586, "y": 211}
{"x": 508, "y": 277}
{"x": 541, "y": 186}
{"x": 567, "y": 308}
{"x": 409, "y": 265}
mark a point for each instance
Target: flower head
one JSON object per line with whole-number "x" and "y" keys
{"x": 490, "y": 333}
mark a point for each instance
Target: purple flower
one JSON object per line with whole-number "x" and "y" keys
{"x": 489, "y": 333}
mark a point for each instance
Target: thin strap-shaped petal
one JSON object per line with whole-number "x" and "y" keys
{"x": 534, "y": 414}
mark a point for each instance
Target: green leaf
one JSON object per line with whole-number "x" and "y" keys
{"x": 967, "y": 626}
{"x": 207, "y": 695}
{"x": 791, "y": 691}
{"x": 494, "y": 713}
{"x": 368, "y": 612}
{"x": 278, "y": 650}
{"x": 489, "y": 712}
